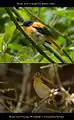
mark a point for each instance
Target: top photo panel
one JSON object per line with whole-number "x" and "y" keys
{"x": 36, "y": 34}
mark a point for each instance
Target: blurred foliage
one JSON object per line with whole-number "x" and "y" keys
{"x": 14, "y": 47}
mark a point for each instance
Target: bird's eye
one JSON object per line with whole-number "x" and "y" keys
{"x": 37, "y": 74}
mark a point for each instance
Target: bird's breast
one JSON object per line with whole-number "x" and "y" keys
{"x": 34, "y": 34}
{"x": 40, "y": 88}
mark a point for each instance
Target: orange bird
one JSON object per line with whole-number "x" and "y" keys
{"x": 38, "y": 32}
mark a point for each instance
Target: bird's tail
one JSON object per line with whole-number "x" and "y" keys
{"x": 53, "y": 42}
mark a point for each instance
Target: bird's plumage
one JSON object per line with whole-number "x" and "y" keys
{"x": 41, "y": 85}
{"x": 38, "y": 32}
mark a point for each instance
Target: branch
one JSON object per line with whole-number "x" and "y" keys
{"x": 17, "y": 14}
{"x": 55, "y": 53}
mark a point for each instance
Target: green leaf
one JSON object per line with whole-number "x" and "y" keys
{"x": 5, "y": 58}
{"x": 1, "y": 42}
{"x": 9, "y": 33}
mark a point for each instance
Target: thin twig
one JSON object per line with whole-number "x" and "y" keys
{"x": 41, "y": 103}
{"x": 5, "y": 106}
{"x": 54, "y": 21}
{"x": 57, "y": 76}
{"x": 55, "y": 53}
{"x": 36, "y": 109}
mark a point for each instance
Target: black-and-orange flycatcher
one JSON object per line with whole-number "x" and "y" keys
{"x": 39, "y": 33}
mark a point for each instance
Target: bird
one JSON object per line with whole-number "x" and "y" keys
{"x": 38, "y": 32}
{"x": 42, "y": 85}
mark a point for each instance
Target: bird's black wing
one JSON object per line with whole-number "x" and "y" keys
{"x": 43, "y": 31}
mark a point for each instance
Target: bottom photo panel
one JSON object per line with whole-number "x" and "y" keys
{"x": 36, "y": 88}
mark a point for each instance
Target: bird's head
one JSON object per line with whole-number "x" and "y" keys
{"x": 27, "y": 23}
